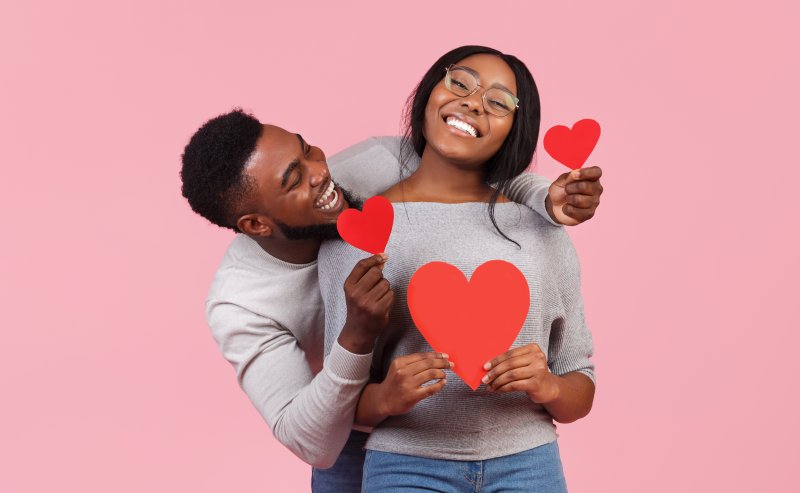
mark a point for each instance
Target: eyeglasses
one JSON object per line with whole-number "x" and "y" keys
{"x": 463, "y": 82}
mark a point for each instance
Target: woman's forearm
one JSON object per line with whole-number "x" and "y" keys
{"x": 575, "y": 397}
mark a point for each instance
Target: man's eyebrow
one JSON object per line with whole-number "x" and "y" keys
{"x": 294, "y": 164}
{"x": 303, "y": 143}
{"x": 286, "y": 174}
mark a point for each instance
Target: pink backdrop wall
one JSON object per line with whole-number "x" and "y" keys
{"x": 110, "y": 378}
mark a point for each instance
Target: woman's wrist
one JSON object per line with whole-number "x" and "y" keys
{"x": 548, "y": 391}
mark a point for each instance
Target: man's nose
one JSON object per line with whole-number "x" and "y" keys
{"x": 319, "y": 174}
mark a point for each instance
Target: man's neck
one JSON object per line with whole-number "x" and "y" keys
{"x": 292, "y": 251}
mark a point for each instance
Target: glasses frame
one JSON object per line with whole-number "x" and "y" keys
{"x": 447, "y": 84}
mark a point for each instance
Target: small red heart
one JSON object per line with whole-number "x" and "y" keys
{"x": 572, "y": 147}
{"x": 370, "y": 228}
{"x": 473, "y": 321}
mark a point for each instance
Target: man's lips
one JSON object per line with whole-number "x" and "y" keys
{"x": 329, "y": 198}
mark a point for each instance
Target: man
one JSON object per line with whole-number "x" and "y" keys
{"x": 264, "y": 306}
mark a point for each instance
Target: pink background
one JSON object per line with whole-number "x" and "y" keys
{"x": 110, "y": 378}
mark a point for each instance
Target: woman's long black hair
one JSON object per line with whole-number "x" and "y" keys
{"x": 517, "y": 150}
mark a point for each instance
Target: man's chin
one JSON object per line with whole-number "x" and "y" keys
{"x": 316, "y": 232}
{"x": 326, "y": 231}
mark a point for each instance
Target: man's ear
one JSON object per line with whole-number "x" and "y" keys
{"x": 256, "y": 225}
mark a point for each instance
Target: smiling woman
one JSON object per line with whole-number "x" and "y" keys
{"x": 474, "y": 122}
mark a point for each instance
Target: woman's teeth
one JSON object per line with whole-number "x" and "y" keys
{"x": 462, "y": 125}
{"x": 324, "y": 203}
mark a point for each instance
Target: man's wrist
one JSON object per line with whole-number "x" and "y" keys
{"x": 383, "y": 402}
{"x": 548, "y": 205}
{"x": 356, "y": 341}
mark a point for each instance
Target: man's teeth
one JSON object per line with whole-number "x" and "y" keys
{"x": 323, "y": 203}
{"x": 462, "y": 125}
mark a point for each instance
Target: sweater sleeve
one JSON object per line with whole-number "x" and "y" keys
{"x": 531, "y": 190}
{"x": 373, "y": 166}
{"x": 311, "y": 415}
{"x": 570, "y": 346}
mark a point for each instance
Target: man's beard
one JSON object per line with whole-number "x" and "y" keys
{"x": 320, "y": 231}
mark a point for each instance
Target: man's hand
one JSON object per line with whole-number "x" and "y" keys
{"x": 369, "y": 299}
{"x": 573, "y": 197}
{"x": 402, "y": 388}
{"x": 523, "y": 369}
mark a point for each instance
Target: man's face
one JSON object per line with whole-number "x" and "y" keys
{"x": 293, "y": 187}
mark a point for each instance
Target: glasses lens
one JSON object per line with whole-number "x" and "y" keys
{"x": 499, "y": 102}
{"x": 460, "y": 82}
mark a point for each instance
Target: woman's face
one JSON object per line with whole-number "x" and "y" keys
{"x": 446, "y": 112}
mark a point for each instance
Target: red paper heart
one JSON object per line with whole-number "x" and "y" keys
{"x": 370, "y": 228}
{"x": 472, "y": 321}
{"x": 572, "y": 147}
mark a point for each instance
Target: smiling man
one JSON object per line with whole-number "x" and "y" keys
{"x": 264, "y": 307}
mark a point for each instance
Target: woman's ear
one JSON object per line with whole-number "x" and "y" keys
{"x": 255, "y": 225}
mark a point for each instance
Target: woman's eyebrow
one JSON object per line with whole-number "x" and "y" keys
{"x": 478, "y": 76}
{"x": 501, "y": 86}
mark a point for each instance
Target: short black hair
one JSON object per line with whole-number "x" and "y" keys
{"x": 213, "y": 163}
{"x": 517, "y": 150}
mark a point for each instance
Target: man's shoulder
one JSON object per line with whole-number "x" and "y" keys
{"x": 246, "y": 271}
{"x": 384, "y": 146}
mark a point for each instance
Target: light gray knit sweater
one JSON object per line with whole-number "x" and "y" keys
{"x": 458, "y": 423}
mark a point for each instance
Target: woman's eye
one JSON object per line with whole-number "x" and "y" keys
{"x": 459, "y": 84}
{"x": 499, "y": 104}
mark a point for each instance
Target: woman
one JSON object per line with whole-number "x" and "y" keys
{"x": 474, "y": 120}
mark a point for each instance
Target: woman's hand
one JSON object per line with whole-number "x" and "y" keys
{"x": 573, "y": 198}
{"x": 523, "y": 369}
{"x": 402, "y": 388}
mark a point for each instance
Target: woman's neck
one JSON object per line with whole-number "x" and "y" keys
{"x": 438, "y": 180}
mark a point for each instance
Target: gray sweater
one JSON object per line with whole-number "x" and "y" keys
{"x": 266, "y": 315}
{"x": 458, "y": 423}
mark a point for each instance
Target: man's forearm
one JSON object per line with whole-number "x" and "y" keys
{"x": 370, "y": 407}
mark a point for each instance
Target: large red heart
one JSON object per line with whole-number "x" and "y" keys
{"x": 472, "y": 321}
{"x": 572, "y": 147}
{"x": 370, "y": 228}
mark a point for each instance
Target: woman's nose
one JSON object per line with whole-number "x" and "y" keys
{"x": 473, "y": 102}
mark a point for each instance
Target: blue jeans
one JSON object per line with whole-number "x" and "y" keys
{"x": 345, "y": 475}
{"x": 535, "y": 470}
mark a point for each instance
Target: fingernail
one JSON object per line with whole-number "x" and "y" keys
{"x": 487, "y": 366}
{"x": 576, "y": 174}
{"x": 485, "y": 379}
{"x": 445, "y": 355}
{"x": 384, "y": 257}
{"x": 452, "y": 364}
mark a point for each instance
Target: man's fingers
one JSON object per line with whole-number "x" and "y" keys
{"x": 424, "y": 364}
{"x": 414, "y": 357}
{"x": 592, "y": 173}
{"x": 578, "y": 214}
{"x": 428, "y": 375}
{"x": 584, "y": 187}
{"x": 582, "y": 201}
{"x": 364, "y": 265}
{"x": 431, "y": 389}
